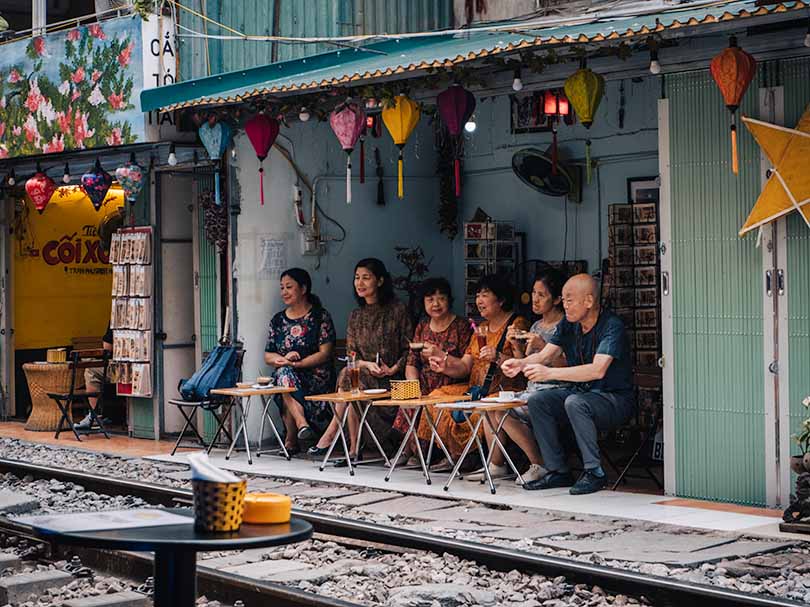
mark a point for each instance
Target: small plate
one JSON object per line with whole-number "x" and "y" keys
{"x": 375, "y": 391}
{"x": 490, "y": 399}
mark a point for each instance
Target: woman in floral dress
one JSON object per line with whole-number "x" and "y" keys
{"x": 378, "y": 335}
{"x": 300, "y": 346}
{"x": 441, "y": 331}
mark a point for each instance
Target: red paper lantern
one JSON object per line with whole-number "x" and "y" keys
{"x": 456, "y": 105}
{"x": 40, "y": 188}
{"x": 262, "y": 132}
{"x": 555, "y": 107}
{"x": 733, "y": 70}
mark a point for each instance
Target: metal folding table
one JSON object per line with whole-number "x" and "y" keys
{"x": 240, "y": 398}
{"x": 483, "y": 410}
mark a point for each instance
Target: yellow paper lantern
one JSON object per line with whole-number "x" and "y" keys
{"x": 584, "y": 89}
{"x": 401, "y": 120}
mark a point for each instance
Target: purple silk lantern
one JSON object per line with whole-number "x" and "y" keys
{"x": 456, "y": 105}
{"x": 348, "y": 124}
{"x": 96, "y": 183}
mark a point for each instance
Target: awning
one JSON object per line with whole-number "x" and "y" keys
{"x": 398, "y": 57}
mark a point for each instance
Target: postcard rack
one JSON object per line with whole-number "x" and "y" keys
{"x": 132, "y": 311}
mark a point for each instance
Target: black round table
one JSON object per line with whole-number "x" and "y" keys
{"x": 176, "y": 547}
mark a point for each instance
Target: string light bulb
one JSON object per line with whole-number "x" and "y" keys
{"x": 471, "y": 126}
{"x": 172, "y": 160}
{"x": 304, "y": 114}
{"x": 807, "y": 37}
{"x": 655, "y": 67}
{"x": 12, "y": 178}
{"x": 66, "y": 175}
{"x": 517, "y": 83}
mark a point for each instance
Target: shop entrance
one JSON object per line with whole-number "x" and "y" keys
{"x": 60, "y": 292}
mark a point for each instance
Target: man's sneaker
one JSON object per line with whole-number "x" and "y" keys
{"x": 495, "y": 471}
{"x": 534, "y": 473}
{"x": 85, "y": 423}
{"x": 552, "y": 480}
{"x": 588, "y": 483}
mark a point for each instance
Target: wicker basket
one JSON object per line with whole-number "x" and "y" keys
{"x": 405, "y": 389}
{"x": 41, "y": 380}
{"x": 218, "y": 506}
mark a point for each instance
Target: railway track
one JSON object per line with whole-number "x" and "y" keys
{"x": 659, "y": 591}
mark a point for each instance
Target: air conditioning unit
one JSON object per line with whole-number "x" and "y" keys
{"x": 102, "y": 6}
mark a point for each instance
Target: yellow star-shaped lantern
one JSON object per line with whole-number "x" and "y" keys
{"x": 788, "y": 187}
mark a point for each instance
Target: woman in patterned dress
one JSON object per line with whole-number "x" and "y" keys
{"x": 441, "y": 331}
{"x": 300, "y": 345}
{"x": 378, "y": 335}
{"x": 495, "y": 300}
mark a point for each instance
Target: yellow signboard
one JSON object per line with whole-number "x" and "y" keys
{"x": 62, "y": 277}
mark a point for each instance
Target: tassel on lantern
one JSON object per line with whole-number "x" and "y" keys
{"x": 400, "y": 180}
{"x": 588, "y": 160}
{"x": 457, "y": 174}
{"x": 348, "y": 179}
{"x": 362, "y": 159}
{"x": 553, "y": 151}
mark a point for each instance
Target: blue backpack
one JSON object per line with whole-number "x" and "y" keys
{"x": 218, "y": 370}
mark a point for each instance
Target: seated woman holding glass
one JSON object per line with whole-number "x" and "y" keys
{"x": 377, "y": 339}
{"x": 300, "y": 345}
{"x": 441, "y": 332}
{"x": 481, "y": 363}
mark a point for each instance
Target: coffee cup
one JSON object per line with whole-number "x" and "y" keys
{"x": 263, "y": 380}
{"x": 506, "y": 395}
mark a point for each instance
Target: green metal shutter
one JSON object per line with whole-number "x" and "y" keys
{"x": 797, "y": 96}
{"x": 717, "y": 299}
{"x": 208, "y": 291}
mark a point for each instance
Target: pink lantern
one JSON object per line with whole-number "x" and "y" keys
{"x": 348, "y": 124}
{"x": 262, "y": 132}
{"x": 456, "y": 105}
{"x": 40, "y": 188}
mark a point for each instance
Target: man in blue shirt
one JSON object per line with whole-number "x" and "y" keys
{"x": 600, "y": 391}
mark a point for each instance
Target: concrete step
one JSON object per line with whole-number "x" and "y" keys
{"x": 118, "y": 599}
{"x": 17, "y": 588}
{"x": 9, "y": 561}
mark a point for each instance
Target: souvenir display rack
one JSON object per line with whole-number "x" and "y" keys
{"x": 633, "y": 293}
{"x": 489, "y": 248}
{"x": 132, "y": 311}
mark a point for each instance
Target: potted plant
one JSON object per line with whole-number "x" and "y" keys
{"x": 801, "y": 463}
{"x": 413, "y": 258}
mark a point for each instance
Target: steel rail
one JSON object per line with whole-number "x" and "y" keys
{"x": 665, "y": 591}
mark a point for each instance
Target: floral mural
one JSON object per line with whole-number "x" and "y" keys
{"x": 72, "y": 90}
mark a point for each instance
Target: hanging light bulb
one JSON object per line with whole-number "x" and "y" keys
{"x": 470, "y": 126}
{"x": 655, "y": 67}
{"x": 304, "y": 114}
{"x": 66, "y": 175}
{"x": 807, "y": 37}
{"x": 12, "y": 178}
{"x": 517, "y": 83}
{"x": 172, "y": 156}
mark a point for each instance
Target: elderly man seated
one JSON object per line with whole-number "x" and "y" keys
{"x": 599, "y": 394}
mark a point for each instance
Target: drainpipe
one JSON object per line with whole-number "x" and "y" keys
{"x": 39, "y": 17}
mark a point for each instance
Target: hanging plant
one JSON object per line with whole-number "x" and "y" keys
{"x": 215, "y": 220}
{"x": 448, "y": 202}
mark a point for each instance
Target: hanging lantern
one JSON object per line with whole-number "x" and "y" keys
{"x": 96, "y": 183}
{"x": 401, "y": 120}
{"x": 585, "y": 89}
{"x": 262, "y": 132}
{"x": 131, "y": 177}
{"x": 215, "y": 137}
{"x": 456, "y": 106}
{"x": 348, "y": 122}
{"x": 40, "y": 188}
{"x": 733, "y": 70}
{"x": 555, "y": 107}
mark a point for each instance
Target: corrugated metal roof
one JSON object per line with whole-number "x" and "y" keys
{"x": 393, "y": 58}
{"x": 300, "y": 18}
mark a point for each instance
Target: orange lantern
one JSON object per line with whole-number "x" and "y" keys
{"x": 400, "y": 120}
{"x": 733, "y": 70}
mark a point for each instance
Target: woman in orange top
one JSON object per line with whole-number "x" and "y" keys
{"x": 495, "y": 300}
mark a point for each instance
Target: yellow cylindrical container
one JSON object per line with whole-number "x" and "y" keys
{"x": 267, "y": 508}
{"x": 405, "y": 389}
{"x": 218, "y": 506}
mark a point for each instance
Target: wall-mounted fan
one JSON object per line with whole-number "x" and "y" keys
{"x": 535, "y": 168}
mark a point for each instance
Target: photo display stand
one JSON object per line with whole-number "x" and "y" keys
{"x": 132, "y": 311}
